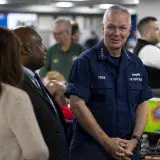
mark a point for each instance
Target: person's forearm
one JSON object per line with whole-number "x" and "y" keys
{"x": 87, "y": 120}
{"x": 141, "y": 118}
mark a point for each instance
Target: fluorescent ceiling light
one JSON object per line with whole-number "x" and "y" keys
{"x": 105, "y": 6}
{"x": 64, "y": 4}
{"x": 136, "y": 1}
{"x": 74, "y": 0}
{"x": 130, "y": 1}
{"x": 3, "y": 1}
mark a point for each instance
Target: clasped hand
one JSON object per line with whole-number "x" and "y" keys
{"x": 121, "y": 149}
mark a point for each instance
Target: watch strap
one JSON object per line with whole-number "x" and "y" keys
{"x": 136, "y": 138}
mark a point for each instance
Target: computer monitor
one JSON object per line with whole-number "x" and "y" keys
{"x": 22, "y": 19}
{"x": 153, "y": 122}
{"x": 3, "y": 20}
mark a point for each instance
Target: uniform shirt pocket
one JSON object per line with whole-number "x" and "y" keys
{"x": 135, "y": 86}
{"x": 134, "y": 92}
{"x": 102, "y": 90}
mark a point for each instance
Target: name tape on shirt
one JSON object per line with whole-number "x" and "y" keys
{"x": 136, "y": 77}
{"x": 101, "y": 77}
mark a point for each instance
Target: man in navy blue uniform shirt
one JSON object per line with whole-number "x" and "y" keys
{"x": 108, "y": 90}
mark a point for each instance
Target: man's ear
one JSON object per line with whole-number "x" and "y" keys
{"x": 102, "y": 28}
{"x": 25, "y": 50}
{"x": 129, "y": 31}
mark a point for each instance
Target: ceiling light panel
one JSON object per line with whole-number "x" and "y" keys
{"x": 64, "y": 4}
{"x": 131, "y": 2}
{"x": 105, "y": 6}
{"x": 3, "y": 1}
{"x": 74, "y": 0}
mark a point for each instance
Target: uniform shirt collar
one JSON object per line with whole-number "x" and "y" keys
{"x": 102, "y": 51}
{"x": 29, "y": 73}
{"x": 104, "y": 55}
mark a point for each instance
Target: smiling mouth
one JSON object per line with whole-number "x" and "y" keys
{"x": 116, "y": 40}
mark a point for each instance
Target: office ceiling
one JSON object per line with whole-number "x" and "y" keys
{"x": 48, "y": 6}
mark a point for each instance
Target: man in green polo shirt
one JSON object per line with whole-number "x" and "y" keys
{"x": 60, "y": 56}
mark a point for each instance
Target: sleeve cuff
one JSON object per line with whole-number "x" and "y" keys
{"x": 80, "y": 91}
{"x": 146, "y": 95}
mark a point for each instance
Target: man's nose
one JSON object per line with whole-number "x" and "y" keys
{"x": 117, "y": 31}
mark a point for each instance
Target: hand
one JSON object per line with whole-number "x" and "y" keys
{"x": 54, "y": 86}
{"x": 51, "y": 87}
{"x": 131, "y": 145}
{"x": 117, "y": 150}
{"x": 57, "y": 90}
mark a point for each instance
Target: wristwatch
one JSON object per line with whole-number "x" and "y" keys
{"x": 136, "y": 138}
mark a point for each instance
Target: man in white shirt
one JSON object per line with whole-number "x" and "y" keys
{"x": 147, "y": 49}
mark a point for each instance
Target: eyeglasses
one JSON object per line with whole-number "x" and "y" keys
{"x": 58, "y": 33}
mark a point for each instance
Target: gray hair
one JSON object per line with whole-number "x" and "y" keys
{"x": 65, "y": 22}
{"x": 116, "y": 8}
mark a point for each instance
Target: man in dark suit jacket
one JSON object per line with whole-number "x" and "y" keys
{"x": 47, "y": 111}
